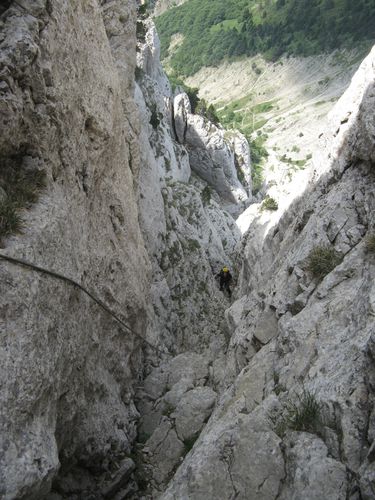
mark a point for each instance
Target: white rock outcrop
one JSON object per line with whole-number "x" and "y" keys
{"x": 163, "y": 5}
{"x": 216, "y": 155}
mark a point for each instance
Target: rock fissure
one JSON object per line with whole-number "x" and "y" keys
{"x": 227, "y": 456}
{"x": 309, "y": 357}
{"x": 143, "y": 192}
{"x": 284, "y": 478}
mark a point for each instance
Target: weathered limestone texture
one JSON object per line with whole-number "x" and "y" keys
{"x": 66, "y": 367}
{"x": 133, "y": 210}
{"x": 298, "y": 339}
{"x": 216, "y": 155}
{"x": 188, "y": 237}
{"x": 188, "y": 234}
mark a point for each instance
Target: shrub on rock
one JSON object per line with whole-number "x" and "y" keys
{"x": 269, "y": 204}
{"x": 322, "y": 260}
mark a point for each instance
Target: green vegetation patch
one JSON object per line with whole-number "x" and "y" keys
{"x": 141, "y": 27}
{"x": 269, "y": 203}
{"x": 214, "y": 30}
{"x": 296, "y": 164}
{"x": 19, "y": 189}
{"x": 244, "y": 115}
{"x": 322, "y": 260}
{"x": 259, "y": 155}
{"x": 228, "y": 24}
{"x": 262, "y": 107}
{"x": 198, "y": 105}
{"x": 208, "y": 111}
{"x": 303, "y": 415}
{"x": 259, "y": 124}
{"x": 206, "y": 194}
{"x": 370, "y": 243}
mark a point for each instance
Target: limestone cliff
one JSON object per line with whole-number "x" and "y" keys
{"x": 270, "y": 397}
{"x": 189, "y": 237}
{"x": 216, "y": 155}
{"x": 67, "y": 367}
{"x": 299, "y": 419}
{"x": 106, "y": 145}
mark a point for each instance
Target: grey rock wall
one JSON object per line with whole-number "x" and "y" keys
{"x": 189, "y": 237}
{"x": 130, "y": 212}
{"x": 298, "y": 339}
{"x": 218, "y": 156}
{"x": 67, "y": 369}
{"x": 187, "y": 233}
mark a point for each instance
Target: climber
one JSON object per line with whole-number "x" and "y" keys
{"x": 225, "y": 280}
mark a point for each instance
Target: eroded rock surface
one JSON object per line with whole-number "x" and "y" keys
{"x": 301, "y": 341}
{"x": 216, "y": 155}
{"x": 189, "y": 237}
{"x": 67, "y": 367}
{"x": 133, "y": 210}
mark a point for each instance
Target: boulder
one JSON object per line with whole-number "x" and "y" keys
{"x": 311, "y": 473}
{"x": 192, "y": 411}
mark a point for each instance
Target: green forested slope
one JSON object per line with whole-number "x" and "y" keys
{"x": 215, "y": 29}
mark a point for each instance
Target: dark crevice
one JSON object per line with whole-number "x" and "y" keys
{"x": 4, "y": 6}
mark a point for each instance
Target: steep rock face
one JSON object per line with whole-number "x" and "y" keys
{"x": 285, "y": 103}
{"x": 304, "y": 347}
{"x": 216, "y": 155}
{"x": 67, "y": 368}
{"x": 189, "y": 237}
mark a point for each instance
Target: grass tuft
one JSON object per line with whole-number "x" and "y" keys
{"x": 269, "y": 204}
{"x": 322, "y": 260}
{"x": 10, "y": 219}
{"x": 303, "y": 415}
{"x": 19, "y": 188}
{"x": 370, "y": 243}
